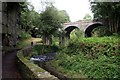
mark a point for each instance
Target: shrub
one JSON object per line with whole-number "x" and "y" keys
{"x": 93, "y": 59}
{"x": 41, "y": 49}
{"x": 24, "y": 35}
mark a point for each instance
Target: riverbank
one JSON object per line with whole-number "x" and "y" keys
{"x": 89, "y": 58}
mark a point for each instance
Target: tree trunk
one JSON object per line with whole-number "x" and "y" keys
{"x": 50, "y": 40}
{"x": 118, "y": 29}
{"x": 110, "y": 28}
{"x": 61, "y": 40}
{"x": 47, "y": 40}
{"x": 44, "y": 39}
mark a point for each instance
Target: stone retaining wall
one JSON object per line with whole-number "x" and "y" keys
{"x": 53, "y": 71}
{"x": 30, "y": 70}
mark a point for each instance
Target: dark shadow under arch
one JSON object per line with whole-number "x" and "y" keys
{"x": 69, "y": 29}
{"x": 90, "y": 28}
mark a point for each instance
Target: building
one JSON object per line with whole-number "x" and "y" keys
{"x": 10, "y": 23}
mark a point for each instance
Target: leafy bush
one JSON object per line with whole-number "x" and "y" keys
{"x": 100, "y": 31}
{"x": 33, "y": 53}
{"x": 55, "y": 40}
{"x": 24, "y": 35}
{"x": 23, "y": 43}
{"x": 91, "y": 58}
{"x": 41, "y": 49}
{"x": 76, "y": 33}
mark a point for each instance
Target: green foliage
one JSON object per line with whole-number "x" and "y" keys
{"x": 28, "y": 16}
{"x": 33, "y": 53}
{"x": 103, "y": 67}
{"x": 91, "y": 57}
{"x": 44, "y": 24}
{"x": 42, "y": 49}
{"x": 76, "y": 33}
{"x": 24, "y": 35}
{"x": 93, "y": 46}
{"x": 64, "y": 17}
{"x": 55, "y": 40}
{"x": 107, "y": 12}
{"x": 23, "y": 43}
{"x": 30, "y": 19}
{"x": 50, "y": 21}
{"x": 87, "y": 17}
{"x": 100, "y": 31}
{"x": 101, "y": 40}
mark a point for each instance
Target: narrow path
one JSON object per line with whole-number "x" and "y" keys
{"x": 9, "y": 67}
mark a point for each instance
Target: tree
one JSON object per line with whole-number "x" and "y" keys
{"x": 64, "y": 16}
{"x": 109, "y": 13}
{"x": 50, "y": 23}
{"x": 23, "y": 17}
{"x": 87, "y": 17}
{"x": 30, "y": 19}
{"x": 27, "y": 16}
{"x": 47, "y": 22}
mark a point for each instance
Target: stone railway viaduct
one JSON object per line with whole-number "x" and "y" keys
{"x": 84, "y": 25}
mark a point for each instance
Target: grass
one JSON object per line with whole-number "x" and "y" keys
{"x": 110, "y": 39}
{"x": 27, "y": 42}
{"x": 23, "y": 43}
{"x": 97, "y": 68}
{"x": 36, "y": 40}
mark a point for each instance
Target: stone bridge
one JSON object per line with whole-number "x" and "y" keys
{"x": 84, "y": 25}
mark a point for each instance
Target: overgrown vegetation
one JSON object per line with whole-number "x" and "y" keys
{"x": 76, "y": 33}
{"x": 44, "y": 24}
{"x": 90, "y": 58}
{"x": 27, "y": 42}
{"x": 24, "y": 35}
{"x": 108, "y": 13}
{"x": 23, "y": 43}
{"x": 43, "y": 49}
{"x": 100, "y": 31}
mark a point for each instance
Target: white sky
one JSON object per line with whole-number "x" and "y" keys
{"x": 75, "y": 8}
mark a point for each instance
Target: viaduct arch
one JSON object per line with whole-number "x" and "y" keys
{"x": 90, "y": 27}
{"x": 68, "y": 30}
{"x": 84, "y": 25}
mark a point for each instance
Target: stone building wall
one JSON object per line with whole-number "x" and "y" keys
{"x": 0, "y": 25}
{"x": 10, "y": 23}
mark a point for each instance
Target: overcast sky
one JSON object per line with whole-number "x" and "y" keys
{"x": 75, "y": 8}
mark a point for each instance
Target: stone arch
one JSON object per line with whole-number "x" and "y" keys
{"x": 90, "y": 27}
{"x": 69, "y": 29}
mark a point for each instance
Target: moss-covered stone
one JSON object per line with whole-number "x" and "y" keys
{"x": 30, "y": 70}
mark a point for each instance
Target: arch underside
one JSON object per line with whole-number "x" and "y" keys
{"x": 69, "y": 30}
{"x": 90, "y": 28}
